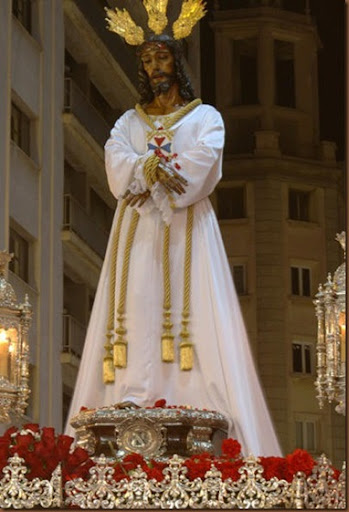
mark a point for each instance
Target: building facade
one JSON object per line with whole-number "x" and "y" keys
{"x": 280, "y": 205}
{"x": 67, "y": 80}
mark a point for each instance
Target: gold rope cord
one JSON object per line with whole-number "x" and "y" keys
{"x": 150, "y": 168}
{"x": 186, "y": 349}
{"x": 170, "y": 120}
{"x": 108, "y": 365}
{"x": 120, "y": 345}
{"x": 167, "y": 343}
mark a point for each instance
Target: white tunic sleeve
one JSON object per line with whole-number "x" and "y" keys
{"x": 121, "y": 159}
{"x": 201, "y": 166}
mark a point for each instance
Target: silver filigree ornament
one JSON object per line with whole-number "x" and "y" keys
{"x": 175, "y": 490}
{"x": 15, "y": 320}
{"x": 151, "y": 432}
{"x": 16, "y": 491}
{"x": 330, "y": 307}
{"x": 144, "y": 436}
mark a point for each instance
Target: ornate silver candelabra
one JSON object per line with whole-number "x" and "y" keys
{"x": 15, "y": 321}
{"x": 331, "y": 336}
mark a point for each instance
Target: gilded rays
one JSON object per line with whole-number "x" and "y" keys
{"x": 120, "y": 21}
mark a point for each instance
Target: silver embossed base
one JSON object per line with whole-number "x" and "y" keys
{"x": 154, "y": 432}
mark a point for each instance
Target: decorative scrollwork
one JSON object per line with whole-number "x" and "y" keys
{"x": 100, "y": 491}
{"x": 320, "y": 490}
{"x": 16, "y": 491}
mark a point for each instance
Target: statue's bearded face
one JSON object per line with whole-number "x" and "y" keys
{"x": 158, "y": 63}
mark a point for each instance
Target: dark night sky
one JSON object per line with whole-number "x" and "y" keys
{"x": 329, "y": 16}
{"x": 330, "y": 20}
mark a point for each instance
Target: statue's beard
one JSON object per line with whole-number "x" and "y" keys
{"x": 163, "y": 86}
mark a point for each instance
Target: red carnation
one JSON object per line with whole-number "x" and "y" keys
{"x": 273, "y": 467}
{"x": 78, "y": 456}
{"x": 231, "y": 448}
{"x": 34, "y": 427}
{"x": 63, "y": 445}
{"x": 160, "y": 403}
{"x": 299, "y": 460}
{"x": 154, "y": 473}
{"x": 198, "y": 465}
{"x": 229, "y": 469}
{"x": 133, "y": 460}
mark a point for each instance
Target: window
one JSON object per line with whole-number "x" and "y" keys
{"x": 20, "y": 129}
{"x": 302, "y": 357}
{"x": 22, "y": 10}
{"x": 305, "y": 435}
{"x": 239, "y": 276}
{"x": 231, "y": 203}
{"x": 299, "y": 205}
{"x": 284, "y": 74}
{"x": 19, "y": 264}
{"x": 300, "y": 281}
{"x": 245, "y": 83}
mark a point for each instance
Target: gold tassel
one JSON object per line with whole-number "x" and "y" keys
{"x": 186, "y": 355}
{"x": 167, "y": 343}
{"x": 186, "y": 347}
{"x": 120, "y": 346}
{"x": 167, "y": 349}
{"x": 108, "y": 365}
{"x": 120, "y": 354}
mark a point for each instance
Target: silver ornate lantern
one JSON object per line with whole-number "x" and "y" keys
{"x": 331, "y": 337}
{"x": 15, "y": 321}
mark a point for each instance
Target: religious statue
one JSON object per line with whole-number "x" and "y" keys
{"x": 166, "y": 321}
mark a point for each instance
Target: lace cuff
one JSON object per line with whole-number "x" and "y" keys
{"x": 162, "y": 202}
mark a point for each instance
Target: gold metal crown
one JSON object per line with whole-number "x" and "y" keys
{"x": 120, "y": 21}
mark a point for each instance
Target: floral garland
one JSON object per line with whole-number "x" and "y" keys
{"x": 42, "y": 451}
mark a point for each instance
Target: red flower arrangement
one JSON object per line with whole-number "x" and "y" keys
{"x": 42, "y": 451}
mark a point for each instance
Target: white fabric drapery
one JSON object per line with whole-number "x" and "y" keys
{"x": 223, "y": 377}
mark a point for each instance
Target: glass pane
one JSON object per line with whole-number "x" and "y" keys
{"x": 15, "y": 124}
{"x": 306, "y": 282}
{"x": 310, "y": 430}
{"x": 304, "y": 198}
{"x": 244, "y": 72}
{"x": 239, "y": 278}
{"x": 292, "y": 205}
{"x": 307, "y": 358}
{"x": 231, "y": 203}
{"x": 25, "y": 134}
{"x": 284, "y": 74}
{"x": 295, "y": 280}
{"x": 297, "y": 357}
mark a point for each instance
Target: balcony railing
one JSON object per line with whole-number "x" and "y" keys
{"x": 76, "y": 219}
{"x": 73, "y": 336}
{"x": 76, "y": 103}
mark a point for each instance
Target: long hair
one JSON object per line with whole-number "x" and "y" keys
{"x": 186, "y": 90}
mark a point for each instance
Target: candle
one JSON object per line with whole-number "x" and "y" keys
{"x": 343, "y": 342}
{"x": 3, "y": 353}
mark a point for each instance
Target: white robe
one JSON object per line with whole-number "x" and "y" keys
{"x": 223, "y": 377}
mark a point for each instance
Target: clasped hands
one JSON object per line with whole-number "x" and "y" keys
{"x": 169, "y": 178}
